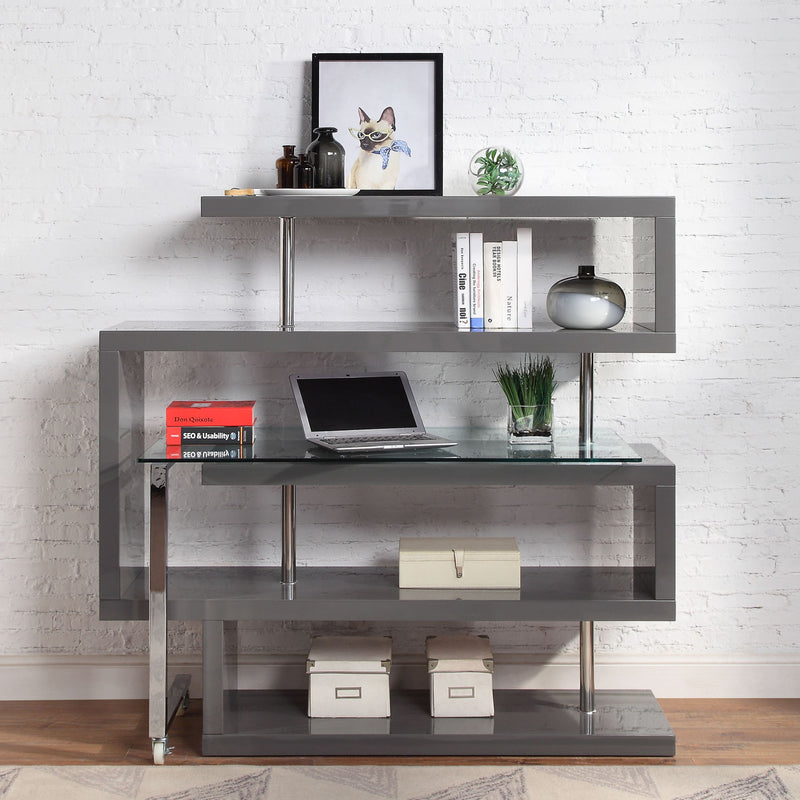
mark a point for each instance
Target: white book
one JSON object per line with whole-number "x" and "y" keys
{"x": 510, "y": 284}
{"x": 493, "y": 291}
{"x": 525, "y": 278}
{"x": 476, "y": 281}
{"x": 461, "y": 272}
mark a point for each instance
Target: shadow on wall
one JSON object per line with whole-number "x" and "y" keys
{"x": 54, "y": 585}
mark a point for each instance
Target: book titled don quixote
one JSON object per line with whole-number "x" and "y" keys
{"x": 218, "y": 428}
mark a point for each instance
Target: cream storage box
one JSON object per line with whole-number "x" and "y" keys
{"x": 460, "y": 671}
{"x": 459, "y": 563}
{"x": 348, "y": 676}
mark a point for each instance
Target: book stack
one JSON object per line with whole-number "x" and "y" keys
{"x": 210, "y": 429}
{"x": 494, "y": 282}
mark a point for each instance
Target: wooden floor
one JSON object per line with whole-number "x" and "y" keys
{"x": 752, "y": 732}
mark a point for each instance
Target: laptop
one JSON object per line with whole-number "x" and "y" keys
{"x": 355, "y": 413}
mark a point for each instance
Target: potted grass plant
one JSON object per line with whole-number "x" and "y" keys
{"x": 529, "y": 388}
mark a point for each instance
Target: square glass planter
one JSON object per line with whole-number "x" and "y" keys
{"x": 530, "y": 425}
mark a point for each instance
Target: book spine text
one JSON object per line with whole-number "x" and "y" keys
{"x": 476, "y": 281}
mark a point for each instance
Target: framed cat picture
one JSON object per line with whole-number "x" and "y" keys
{"x": 387, "y": 111}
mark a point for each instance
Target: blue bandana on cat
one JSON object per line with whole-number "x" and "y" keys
{"x": 398, "y": 145}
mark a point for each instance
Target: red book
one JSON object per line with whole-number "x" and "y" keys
{"x": 210, "y": 412}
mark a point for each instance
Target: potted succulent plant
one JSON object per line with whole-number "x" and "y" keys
{"x": 495, "y": 170}
{"x": 529, "y": 388}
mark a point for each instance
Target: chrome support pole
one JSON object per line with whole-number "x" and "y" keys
{"x": 587, "y": 667}
{"x": 157, "y": 590}
{"x": 286, "y": 322}
{"x": 586, "y": 421}
{"x": 286, "y": 316}
{"x": 289, "y": 527}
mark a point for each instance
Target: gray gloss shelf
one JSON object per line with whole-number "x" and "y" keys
{"x": 469, "y": 463}
{"x": 453, "y": 207}
{"x": 653, "y": 224}
{"x": 525, "y": 723}
{"x": 547, "y": 594}
{"x": 266, "y": 337}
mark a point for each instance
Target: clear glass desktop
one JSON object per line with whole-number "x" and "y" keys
{"x": 483, "y": 445}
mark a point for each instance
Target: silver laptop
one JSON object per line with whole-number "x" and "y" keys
{"x": 362, "y": 412}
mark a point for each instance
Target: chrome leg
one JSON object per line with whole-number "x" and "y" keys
{"x": 286, "y": 320}
{"x": 165, "y": 700}
{"x": 289, "y": 526}
{"x": 158, "y": 601}
{"x": 286, "y": 316}
{"x": 587, "y": 667}
{"x": 586, "y": 423}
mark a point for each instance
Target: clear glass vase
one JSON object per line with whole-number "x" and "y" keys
{"x": 495, "y": 170}
{"x": 530, "y": 425}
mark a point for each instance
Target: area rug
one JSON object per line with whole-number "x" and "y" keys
{"x": 236, "y": 782}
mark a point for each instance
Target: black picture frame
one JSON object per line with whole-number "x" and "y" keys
{"x": 402, "y": 96}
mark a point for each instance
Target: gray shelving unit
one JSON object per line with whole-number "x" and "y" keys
{"x": 134, "y": 486}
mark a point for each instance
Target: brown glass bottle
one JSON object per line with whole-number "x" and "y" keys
{"x": 285, "y": 166}
{"x": 303, "y": 173}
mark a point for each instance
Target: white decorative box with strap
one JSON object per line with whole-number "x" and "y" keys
{"x": 348, "y": 676}
{"x": 460, "y": 669}
{"x": 459, "y": 563}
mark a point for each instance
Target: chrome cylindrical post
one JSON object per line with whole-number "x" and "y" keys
{"x": 586, "y": 419}
{"x": 587, "y": 666}
{"x": 157, "y": 591}
{"x": 286, "y": 316}
{"x": 289, "y": 527}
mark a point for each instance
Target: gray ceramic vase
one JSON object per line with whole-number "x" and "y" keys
{"x": 585, "y": 301}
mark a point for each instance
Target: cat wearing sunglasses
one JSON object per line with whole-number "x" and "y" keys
{"x": 378, "y": 162}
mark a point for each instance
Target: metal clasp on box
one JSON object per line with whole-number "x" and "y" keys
{"x": 458, "y": 558}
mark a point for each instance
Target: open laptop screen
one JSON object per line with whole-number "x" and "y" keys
{"x": 367, "y": 402}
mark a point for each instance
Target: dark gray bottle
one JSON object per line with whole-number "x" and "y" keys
{"x": 327, "y": 156}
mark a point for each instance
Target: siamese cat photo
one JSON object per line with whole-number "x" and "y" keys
{"x": 378, "y": 162}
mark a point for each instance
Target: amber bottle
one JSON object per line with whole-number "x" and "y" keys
{"x": 285, "y": 166}
{"x": 303, "y": 173}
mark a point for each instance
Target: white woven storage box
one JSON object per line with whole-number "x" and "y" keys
{"x": 460, "y": 675}
{"x": 348, "y": 676}
{"x": 459, "y": 563}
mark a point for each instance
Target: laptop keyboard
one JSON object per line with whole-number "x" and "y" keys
{"x": 403, "y": 437}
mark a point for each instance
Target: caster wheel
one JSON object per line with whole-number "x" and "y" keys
{"x": 159, "y": 751}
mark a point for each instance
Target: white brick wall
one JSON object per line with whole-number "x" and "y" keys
{"x": 116, "y": 117}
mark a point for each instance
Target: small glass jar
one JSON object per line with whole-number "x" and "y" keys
{"x": 327, "y": 157}
{"x": 285, "y": 166}
{"x": 303, "y": 173}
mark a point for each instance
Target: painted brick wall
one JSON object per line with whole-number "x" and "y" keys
{"x": 117, "y": 116}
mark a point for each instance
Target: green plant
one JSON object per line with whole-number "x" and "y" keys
{"x": 497, "y": 171}
{"x": 530, "y": 384}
